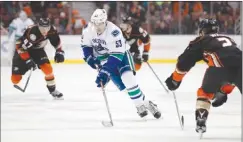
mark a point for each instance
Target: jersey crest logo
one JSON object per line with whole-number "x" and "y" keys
{"x": 32, "y": 37}
{"x": 115, "y": 33}
{"x": 100, "y": 49}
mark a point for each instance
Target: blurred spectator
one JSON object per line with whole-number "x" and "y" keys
{"x": 171, "y": 17}
{"x": 162, "y": 28}
{"x": 78, "y": 22}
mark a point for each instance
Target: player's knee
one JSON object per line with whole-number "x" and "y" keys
{"x": 46, "y": 68}
{"x": 15, "y": 78}
{"x": 227, "y": 88}
{"x": 137, "y": 66}
{"x": 201, "y": 93}
{"x": 118, "y": 82}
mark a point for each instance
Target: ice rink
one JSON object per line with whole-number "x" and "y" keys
{"x": 35, "y": 117}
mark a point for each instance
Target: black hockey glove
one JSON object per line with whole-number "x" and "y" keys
{"x": 145, "y": 56}
{"x": 137, "y": 58}
{"x": 30, "y": 64}
{"x": 59, "y": 56}
{"x": 172, "y": 84}
{"x": 219, "y": 99}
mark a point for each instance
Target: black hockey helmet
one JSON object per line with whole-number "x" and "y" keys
{"x": 44, "y": 25}
{"x": 127, "y": 20}
{"x": 208, "y": 26}
{"x": 44, "y": 22}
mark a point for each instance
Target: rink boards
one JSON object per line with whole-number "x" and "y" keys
{"x": 164, "y": 48}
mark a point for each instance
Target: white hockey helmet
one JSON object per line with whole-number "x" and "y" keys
{"x": 98, "y": 19}
{"x": 23, "y": 15}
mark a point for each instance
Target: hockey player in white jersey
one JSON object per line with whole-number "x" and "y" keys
{"x": 16, "y": 30}
{"x": 103, "y": 46}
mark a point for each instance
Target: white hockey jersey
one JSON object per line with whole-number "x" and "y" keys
{"x": 110, "y": 43}
{"x": 19, "y": 26}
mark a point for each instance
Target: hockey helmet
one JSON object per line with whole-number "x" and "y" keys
{"x": 126, "y": 23}
{"x": 44, "y": 22}
{"x": 44, "y": 25}
{"x": 98, "y": 19}
{"x": 23, "y": 15}
{"x": 208, "y": 26}
{"x": 127, "y": 19}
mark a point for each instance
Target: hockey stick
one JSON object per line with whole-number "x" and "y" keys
{"x": 106, "y": 123}
{"x": 26, "y": 84}
{"x": 181, "y": 119}
{"x": 167, "y": 91}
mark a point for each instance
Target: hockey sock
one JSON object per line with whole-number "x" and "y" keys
{"x": 133, "y": 89}
{"x": 137, "y": 66}
{"x": 49, "y": 77}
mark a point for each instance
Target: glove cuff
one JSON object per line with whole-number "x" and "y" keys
{"x": 145, "y": 53}
{"x": 27, "y": 61}
{"x": 105, "y": 70}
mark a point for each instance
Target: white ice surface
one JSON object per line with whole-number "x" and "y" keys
{"x": 35, "y": 117}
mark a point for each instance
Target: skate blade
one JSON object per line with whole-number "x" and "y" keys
{"x": 56, "y": 98}
{"x": 200, "y": 134}
{"x": 107, "y": 123}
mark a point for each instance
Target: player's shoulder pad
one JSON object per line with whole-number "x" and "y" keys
{"x": 196, "y": 40}
{"x": 31, "y": 32}
{"x": 53, "y": 28}
{"x": 86, "y": 28}
{"x": 141, "y": 30}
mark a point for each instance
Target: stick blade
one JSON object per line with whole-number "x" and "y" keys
{"x": 200, "y": 135}
{"x": 19, "y": 88}
{"x": 182, "y": 122}
{"x": 107, "y": 123}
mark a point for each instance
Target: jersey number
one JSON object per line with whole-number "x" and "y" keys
{"x": 225, "y": 41}
{"x": 27, "y": 44}
{"x": 118, "y": 44}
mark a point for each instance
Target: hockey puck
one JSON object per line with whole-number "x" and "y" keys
{"x": 107, "y": 124}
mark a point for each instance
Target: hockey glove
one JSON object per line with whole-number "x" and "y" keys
{"x": 172, "y": 84}
{"x": 103, "y": 77}
{"x": 219, "y": 99}
{"x": 145, "y": 56}
{"x": 92, "y": 61}
{"x": 137, "y": 58}
{"x": 59, "y": 56}
{"x": 30, "y": 64}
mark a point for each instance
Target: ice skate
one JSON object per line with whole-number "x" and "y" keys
{"x": 141, "y": 110}
{"x": 153, "y": 109}
{"x": 54, "y": 92}
{"x": 201, "y": 117}
{"x": 57, "y": 95}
